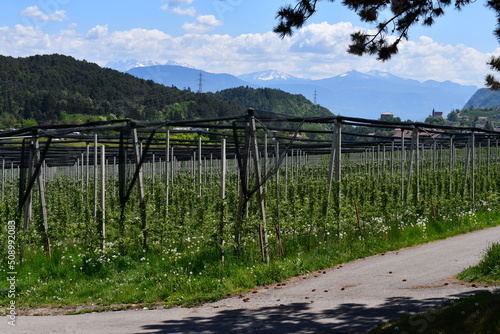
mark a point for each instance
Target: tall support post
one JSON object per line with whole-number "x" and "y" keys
{"x": 335, "y": 168}
{"x": 28, "y": 206}
{"x": 95, "y": 175}
{"x": 102, "y": 228}
{"x": 488, "y": 158}
{"x": 473, "y": 167}
{"x": 265, "y": 154}
{"x": 223, "y": 172}
{"x": 413, "y": 158}
{"x": 140, "y": 185}
{"x": 392, "y": 156}
{"x": 43, "y": 205}
{"x": 87, "y": 161}
{"x": 260, "y": 191}
{"x": 402, "y": 156}
{"x": 335, "y": 160}
{"x": 3, "y": 179}
{"x": 199, "y": 165}
{"x": 243, "y": 164}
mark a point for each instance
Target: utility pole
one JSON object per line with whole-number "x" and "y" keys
{"x": 200, "y": 83}
{"x": 315, "y": 96}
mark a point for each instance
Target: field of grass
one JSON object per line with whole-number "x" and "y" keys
{"x": 372, "y": 211}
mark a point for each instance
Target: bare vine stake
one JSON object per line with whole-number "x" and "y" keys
{"x": 358, "y": 219}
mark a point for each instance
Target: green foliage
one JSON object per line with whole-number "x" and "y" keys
{"x": 273, "y": 100}
{"x": 58, "y": 89}
{"x": 402, "y": 16}
{"x": 435, "y": 120}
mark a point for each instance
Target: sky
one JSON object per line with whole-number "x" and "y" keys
{"x": 235, "y": 37}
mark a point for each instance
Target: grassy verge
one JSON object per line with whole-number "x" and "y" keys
{"x": 476, "y": 314}
{"x": 104, "y": 280}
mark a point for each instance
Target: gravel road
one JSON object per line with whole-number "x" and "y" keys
{"x": 351, "y": 298}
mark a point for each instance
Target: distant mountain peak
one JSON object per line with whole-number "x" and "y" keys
{"x": 269, "y": 75}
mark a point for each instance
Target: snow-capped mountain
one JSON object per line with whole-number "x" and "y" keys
{"x": 353, "y": 93}
{"x": 128, "y": 64}
{"x": 268, "y": 76}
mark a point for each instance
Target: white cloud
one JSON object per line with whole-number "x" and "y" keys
{"x": 98, "y": 32}
{"x": 202, "y": 24}
{"x": 176, "y": 6}
{"x": 35, "y": 13}
{"x": 316, "y": 51}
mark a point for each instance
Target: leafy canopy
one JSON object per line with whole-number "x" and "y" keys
{"x": 404, "y": 14}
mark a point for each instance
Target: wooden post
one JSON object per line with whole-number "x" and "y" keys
{"x": 140, "y": 185}
{"x": 260, "y": 191}
{"x": 335, "y": 159}
{"x": 28, "y": 206}
{"x": 43, "y": 205}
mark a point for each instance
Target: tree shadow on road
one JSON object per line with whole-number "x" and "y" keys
{"x": 301, "y": 318}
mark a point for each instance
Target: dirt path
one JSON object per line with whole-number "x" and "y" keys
{"x": 349, "y": 299}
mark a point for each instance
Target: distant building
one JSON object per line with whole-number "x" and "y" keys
{"x": 437, "y": 114}
{"x": 386, "y": 116}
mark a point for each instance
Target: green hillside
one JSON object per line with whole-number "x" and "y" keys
{"x": 484, "y": 98}
{"x": 273, "y": 100}
{"x": 53, "y": 89}
{"x": 60, "y": 89}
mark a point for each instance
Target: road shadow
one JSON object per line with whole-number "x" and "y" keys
{"x": 301, "y": 318}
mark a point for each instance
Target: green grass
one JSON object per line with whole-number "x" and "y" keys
{"x": 487, "y": 271}
{"x": 111, "y": 280}
{"x": 475, "y": 314}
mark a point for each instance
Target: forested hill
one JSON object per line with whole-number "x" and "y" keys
{"x": 61, "y": 89}
{"x": 273, "y": 100}
{"x": 484, "y": 98}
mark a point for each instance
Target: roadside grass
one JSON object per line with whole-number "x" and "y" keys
{"x": 108, "y": 279}
{"x": 487, "y": 271}
{"x": 475, "y": 314}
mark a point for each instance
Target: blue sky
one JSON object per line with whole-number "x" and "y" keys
{"x": 235, "y": 36}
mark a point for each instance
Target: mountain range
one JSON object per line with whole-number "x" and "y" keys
{"x": 353, "y": 93}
